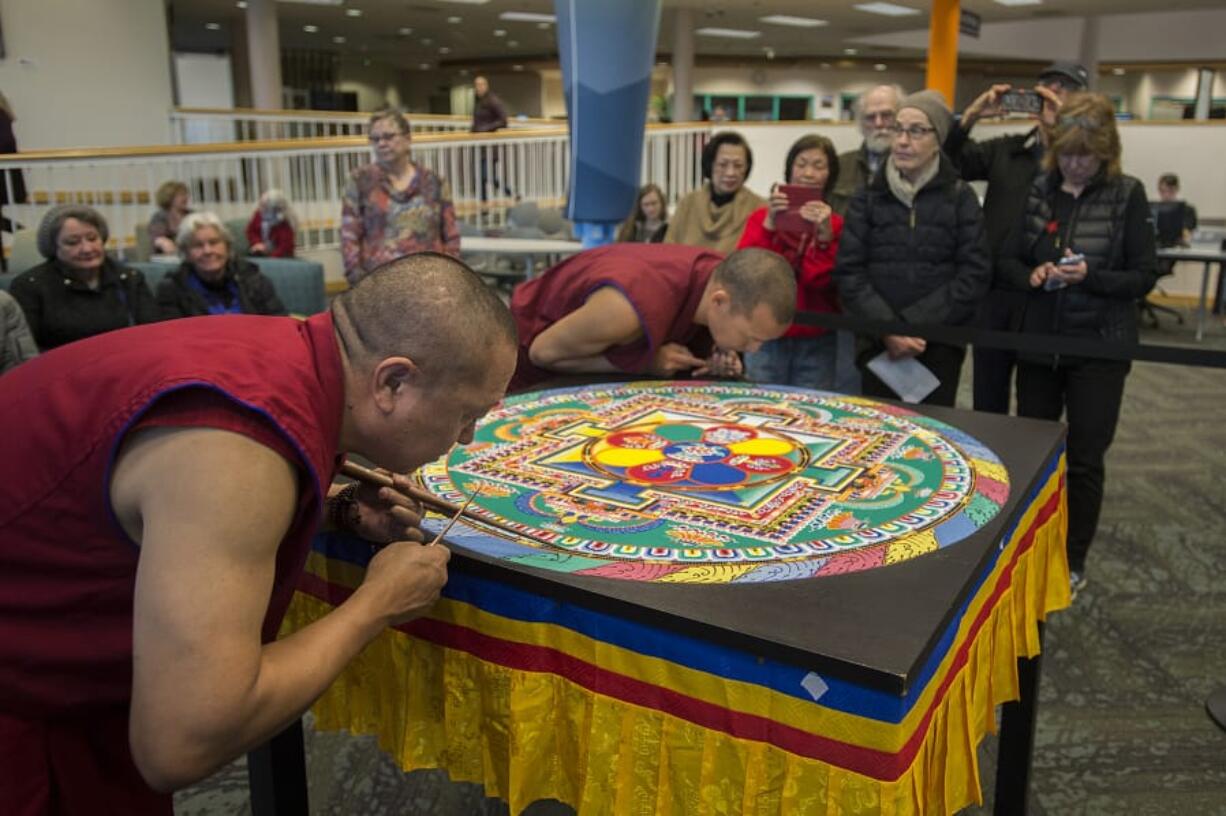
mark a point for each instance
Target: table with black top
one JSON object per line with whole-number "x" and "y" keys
{"x": 869, "y": 690}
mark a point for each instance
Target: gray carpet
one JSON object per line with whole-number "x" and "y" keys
{"x": 1122, "y": 728}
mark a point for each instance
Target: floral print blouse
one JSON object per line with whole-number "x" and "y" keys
{"x": 379, "y": 224}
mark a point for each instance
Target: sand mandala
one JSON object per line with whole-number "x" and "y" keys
{"x": 715, "y": 482}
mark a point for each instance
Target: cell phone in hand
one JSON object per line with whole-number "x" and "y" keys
{"x": 1071, "y": 260}
{"x": 798, "y": 195}
{"x": 1021, "y": 101}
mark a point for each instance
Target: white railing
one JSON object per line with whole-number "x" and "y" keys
{"x": 209, "y": 125}
{"x": 530, "y": 165}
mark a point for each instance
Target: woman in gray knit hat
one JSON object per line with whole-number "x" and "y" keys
{"x": 79, "y": 291}
{"x": 913, "y": 251}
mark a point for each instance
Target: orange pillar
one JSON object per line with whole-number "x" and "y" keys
{"x": 943, "y": 48}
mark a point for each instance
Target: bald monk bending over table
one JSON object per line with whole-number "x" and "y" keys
{"x": 161, "y": 485}
{"x": 658, "y": 309}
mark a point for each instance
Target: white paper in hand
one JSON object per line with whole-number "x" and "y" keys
{"x": 910, "y": 379}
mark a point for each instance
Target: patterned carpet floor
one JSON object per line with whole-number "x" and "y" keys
{"x": 1122, "y": 727}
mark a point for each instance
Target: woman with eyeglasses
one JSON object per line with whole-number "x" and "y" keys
{"x": 1084, "y": 251}
{"x": 714, "y": 215}
{"x": 913, "y": 250}
{"x": 79, "y": 291}
{"x": 394, "y": 206}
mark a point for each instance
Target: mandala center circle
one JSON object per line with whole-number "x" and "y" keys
{"x": 697, "y": 453}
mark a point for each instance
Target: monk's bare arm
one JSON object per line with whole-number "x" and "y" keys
{"x": 578, "y": 342}
{"x": 209, "y": 508}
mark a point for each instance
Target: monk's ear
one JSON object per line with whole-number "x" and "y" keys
{"x": 394, "y": 380}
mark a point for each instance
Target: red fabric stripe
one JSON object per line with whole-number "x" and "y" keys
{"x": 869, "y": 762}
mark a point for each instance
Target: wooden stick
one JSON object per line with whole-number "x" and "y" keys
{"x": 380, "y": 479}
{"x": 456, "y": 517}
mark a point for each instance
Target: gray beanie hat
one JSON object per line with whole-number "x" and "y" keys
{"x": 49, "y": 227}
{"x": 931, "y": 104}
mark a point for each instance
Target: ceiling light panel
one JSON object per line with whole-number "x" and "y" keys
{"x": 527, "y": 17}
{"x": 729, "y": 33}
{"x": 795, "y": 22}
{"x": 887, "y": 9}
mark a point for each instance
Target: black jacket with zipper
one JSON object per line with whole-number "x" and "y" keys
{"x": 1110, "y": 224}
{"x": 927, "y": 263}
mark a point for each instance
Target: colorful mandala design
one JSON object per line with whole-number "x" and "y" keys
{"x": 715, "y": 483}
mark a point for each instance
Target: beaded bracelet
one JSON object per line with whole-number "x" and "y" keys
{"x": 343, "y": 508}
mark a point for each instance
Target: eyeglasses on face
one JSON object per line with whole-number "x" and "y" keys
{"x": 375, "y": 138}
{"x": 913, "y": 132}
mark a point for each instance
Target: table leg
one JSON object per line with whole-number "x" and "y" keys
{"x": 1204, "y": 295}
{"x": 1217, "y": 293}
{"x": 1017, "y": 721}
{"x": 276, "y": 774}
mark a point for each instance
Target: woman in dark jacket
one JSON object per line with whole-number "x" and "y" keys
{"x": 1085, "y": 253}
{"x": 80, "y": 291}
{"x": 913, "y": 249}
{"x": 211, "y": 280}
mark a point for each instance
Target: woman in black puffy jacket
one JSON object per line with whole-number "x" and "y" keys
{"x": 913, "y": 249}
{"x": 1085, "y": 252}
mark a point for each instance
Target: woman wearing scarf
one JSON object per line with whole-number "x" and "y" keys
{"x": 211, "y": 280}
{"x": 913, "y": 250}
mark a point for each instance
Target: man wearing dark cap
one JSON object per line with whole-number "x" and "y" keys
{"x": 1009, "y": 165}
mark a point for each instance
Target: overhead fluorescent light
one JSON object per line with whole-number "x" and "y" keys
{"x": 888, "y": 9}
{"x": 1019, "y": 2}
{"x": 730, "y": 33}
{"x": 881, "y": 66}
{"x": 527, "y": 17}
{"x": 512, "y": 44}
{"x": 455, "y": 20}
{"x": 444, "y": 50}
{"x": 500, "y": 32}
{"x": 466, "y": 2}
{"x": 353, "y": 12}
{"x": 404, "y": 32}
{"x": 241, "y": 4}
{"x": 310, "y": 29}
{"x": 789, "y": 20}
{"x": 1118, "y": 71}
{"x": 851, "y": 52}
{"x": 213, "y": 26}
{"x": 314, "y": 2}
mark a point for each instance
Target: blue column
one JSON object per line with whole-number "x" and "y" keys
{"x": 607, "y": 50}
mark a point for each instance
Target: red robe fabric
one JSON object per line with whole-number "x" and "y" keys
{"x": 663, "y": 282}
{"x": 67, "y": 569}
{"x": 812, "y": 261}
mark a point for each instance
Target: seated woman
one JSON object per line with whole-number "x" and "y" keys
{"x": 808, "y": 237}
{"x": 913, "y": 249}
{"x": 211, "y": 280}
{"x": 173, "y": 203}
{"x": 16, "y": 343}
{"x": 270, "y": 232}
{"x": 79, "y": 291}
{"x": 649, "y": 221}
{"x": 1084, "y": 251}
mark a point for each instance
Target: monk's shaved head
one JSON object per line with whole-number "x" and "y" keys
{"x": 758, "y": 276}
{"x": 428, "y": 307}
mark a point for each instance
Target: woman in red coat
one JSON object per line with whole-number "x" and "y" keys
{"x": 808, "y": 237}
{"x": 270, "y": 232}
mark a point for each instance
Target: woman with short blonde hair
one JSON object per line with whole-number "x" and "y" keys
{"x": 1085, "y": 253}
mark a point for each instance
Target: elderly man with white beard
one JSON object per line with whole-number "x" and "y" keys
{"x": 875, "y": 110}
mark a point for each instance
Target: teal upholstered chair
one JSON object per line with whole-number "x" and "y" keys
{"x": 238, "y": 228}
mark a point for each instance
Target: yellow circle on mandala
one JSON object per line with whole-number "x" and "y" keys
{"x": 762, "y": 447}
{"x": 627, "y": 457}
